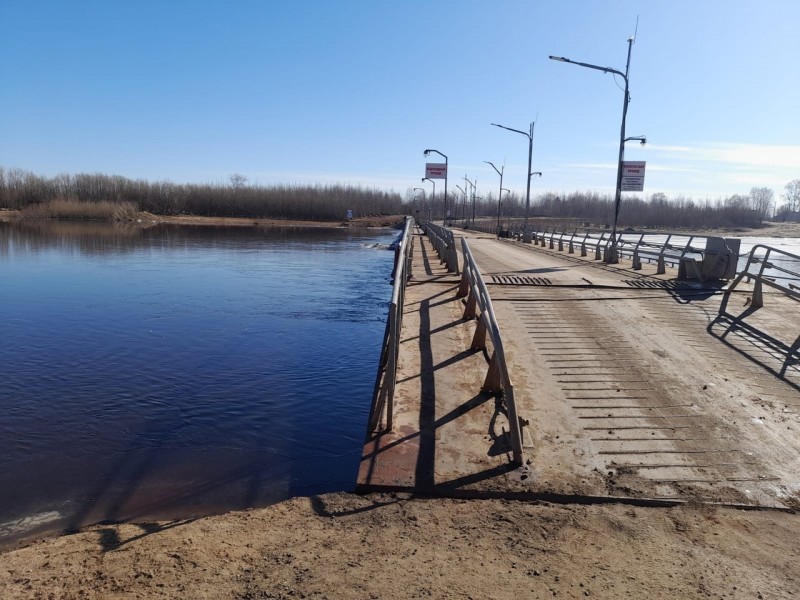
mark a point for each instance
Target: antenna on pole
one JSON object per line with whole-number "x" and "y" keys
{"x": 636, "y": 30}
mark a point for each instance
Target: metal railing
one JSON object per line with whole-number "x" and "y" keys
{"x": 775, "y": 268}
{"x": 498, "y": 381}
{"x": 383, "y": 395}
{"x": 444, "y": 243}
{"x": 696, "y": 256}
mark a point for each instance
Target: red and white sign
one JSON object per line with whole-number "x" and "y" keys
{"x": 632, "y": 176}
{"x": 436, "y": 170}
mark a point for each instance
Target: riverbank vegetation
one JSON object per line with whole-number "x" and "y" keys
{"x": 656, "y": 211}
{"x": 111, "y": 197}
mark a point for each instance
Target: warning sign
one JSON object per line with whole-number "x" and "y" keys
{"x": 436, "y": 170}
{"x": 632, "y": 176}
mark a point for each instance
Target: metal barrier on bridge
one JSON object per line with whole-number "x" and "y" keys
{"x": 383, "y": 396}
{"x": 444, "y": 243}
{"x": 498, "y": 380}
{"x": 697, "y": 257}
{"x": 775, "y": 268}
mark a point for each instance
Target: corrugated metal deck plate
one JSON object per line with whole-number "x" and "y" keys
{"x": 519, "y": 280}
{"x": 664, "y": 285}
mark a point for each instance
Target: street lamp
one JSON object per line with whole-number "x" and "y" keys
{"x": 499, "y": 172}
{"x": 467, "y": 181}
{"x": 423, "y": 199}
{"x": 427, "y": 152}
{"x": 507, "y": 191}
{"x": 526, "y": 237}
{"x": 613, "y": 256}
{"x": 433, "y": 196}
{"x": 465, "y": 198}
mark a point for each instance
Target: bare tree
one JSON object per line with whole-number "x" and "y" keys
{"x": 238, "y": 180}
{"x": 762, "y": 200}
{"x": 792, "y": 195}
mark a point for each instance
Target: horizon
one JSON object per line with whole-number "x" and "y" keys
{"x": 312, "y": 93}
{"x": 406, "y": 195}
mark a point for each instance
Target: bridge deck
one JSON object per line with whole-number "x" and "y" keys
{"x": 632, "y": 385}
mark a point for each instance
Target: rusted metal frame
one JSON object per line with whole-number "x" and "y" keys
{"x": 383, "y": 395}
{"x": 661, "y": 266}
{"x": 758, "y": 288}
{"x": 637, "y": 260}
{"x": 444, "y": 243}
{"x": 651, "y": 251}
{"x": 583, "y": 243}
{"x": 597, "y": 249}
{"x": 688, "y": 247}
{"x": 687, "y": 263}
{"x": 752, "y": 258}
{"x": 609, "y": 245}
{"x": 497, "y": 378}
{"x": 760, "y": 279}
{"x": 572, "y": 242}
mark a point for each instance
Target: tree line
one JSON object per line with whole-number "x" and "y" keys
{"x": 657, "y": 211}
{"x": 26, "y": 191}
{"x": 113, "y": 196}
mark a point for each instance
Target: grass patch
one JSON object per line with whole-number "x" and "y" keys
{"x": 77, "y": 210}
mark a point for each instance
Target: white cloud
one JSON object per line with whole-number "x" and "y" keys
{"x": 751, "y": 155}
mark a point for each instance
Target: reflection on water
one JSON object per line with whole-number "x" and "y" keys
{"x": 166, "y": 371}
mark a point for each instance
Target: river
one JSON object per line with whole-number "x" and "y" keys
{"x": 167, "y": 372}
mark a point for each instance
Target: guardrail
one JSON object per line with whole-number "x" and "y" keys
{"x": 498, "y": 380}
{"x": 383, "y": 395}
{"x": 696, "y": 256}
{"x": 444, "y": 243}
{"x": 775, "y": 268}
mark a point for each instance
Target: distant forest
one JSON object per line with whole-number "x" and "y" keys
{"x": 658, "y": 211}
{"x": 112, "y": 196}
{"x": 98, "y": 196}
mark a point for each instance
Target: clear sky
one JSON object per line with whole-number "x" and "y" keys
{"x": 348, "y": 91}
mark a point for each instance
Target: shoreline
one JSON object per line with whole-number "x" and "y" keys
{"x": 768, "y": 230}
{"x": 147, "y": 219}
{"x": 344, "y": 545}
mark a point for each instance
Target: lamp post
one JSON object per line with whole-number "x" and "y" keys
{"x": 465, "y": 198}
{"x": 613, "y": 256}
{"x": 423, "y": 199}
{"x": 507, "y": 191}
{"x": 499, "y": 212}
{"x": 433, "y": 195}
{"x": 526, "y": 237}
{"x": 427, "y": 152}
{"x": 499, "y": 172}
{"x": 467, "y": 181}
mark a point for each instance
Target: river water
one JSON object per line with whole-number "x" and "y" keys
{"x": 172, "y": 371}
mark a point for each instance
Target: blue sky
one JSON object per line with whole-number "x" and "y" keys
{"x": 354, "y": 91}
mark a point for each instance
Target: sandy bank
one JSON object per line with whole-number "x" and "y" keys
{"x": 148, "y": 219}
{"x": 384, "y": 546}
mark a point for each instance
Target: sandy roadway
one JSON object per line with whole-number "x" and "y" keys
{"x": 637, "y": 389}
{"x": 343, "y": 546}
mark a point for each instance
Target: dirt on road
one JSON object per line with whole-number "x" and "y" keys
{"x": 389, "y": 546}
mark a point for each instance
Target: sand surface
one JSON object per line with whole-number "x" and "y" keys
{"x": 389, "y": 546}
